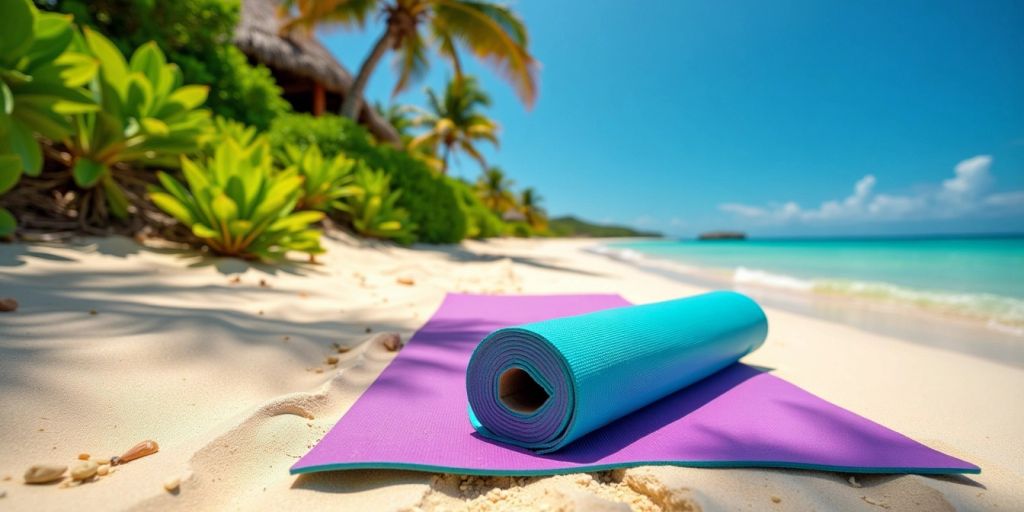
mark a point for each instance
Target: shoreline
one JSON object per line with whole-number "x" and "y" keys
{"x": 910, "y": 322}
{"x": 223, "y": 363}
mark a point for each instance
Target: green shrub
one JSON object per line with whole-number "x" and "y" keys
{"x": 520, "y": 230}
{"x": 325, "y": 180}
{"x": 40, "y": 84}
{"x": 239, "y": 205}
{"x": 196, "y": 35}
{"x": 373, "y": 209}
{"x": 431, "y": 201}
{"x": 222, "y": 129}
{"x": 481, "y": 222}
{"x": 147, "y": 116}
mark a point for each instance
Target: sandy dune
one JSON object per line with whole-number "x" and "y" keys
{"x": 223, "y": 363}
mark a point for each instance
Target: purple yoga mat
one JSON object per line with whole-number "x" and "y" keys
{"x": 414, "y": 416}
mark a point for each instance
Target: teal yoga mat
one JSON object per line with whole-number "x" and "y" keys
{"x": 543, "y": 385}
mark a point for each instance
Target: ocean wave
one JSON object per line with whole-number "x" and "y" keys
{"x": 999, "y": 312}
{"x": 628, "y": 255}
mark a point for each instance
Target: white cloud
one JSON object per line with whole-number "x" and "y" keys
{"x": 959, "y": 195}
{"x": 971, "y": 176}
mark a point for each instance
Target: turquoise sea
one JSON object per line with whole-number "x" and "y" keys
{"x": 979, "y": 278}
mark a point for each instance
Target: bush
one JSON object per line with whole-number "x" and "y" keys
{"x": 372, "y": 207}
{"x": 430, "y": 199}
{"x": 40, "y": 83}
{"x": 325, "y": 180}
{"x": 239, "y": 205}
{"x": 146, "y": 116}
{"x": 196, "y": 35}
{"x": 481, "y": 222}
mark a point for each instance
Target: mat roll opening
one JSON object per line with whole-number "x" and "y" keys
{"x": 519, "y": 392}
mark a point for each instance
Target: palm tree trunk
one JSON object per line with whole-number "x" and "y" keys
{"x": 447, "y": 153}
{"x": 354, "y": 96}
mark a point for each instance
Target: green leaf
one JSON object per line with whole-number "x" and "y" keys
{"x": 10, "y": 171}
{"x": 140, "y": 95}
{"x": 239, "y": 227}
{"x": 43, "y": 120}
{"x": 53, "y": 34}
{"x": 76, "y": 69}
{"x": 149, "y": 61}
{"x": 173, "y": 207}
{"x": 7, "y": 223}
{"x": 87, "y": 172}
{"x": 113, "y": 68}
{"x": 17, "y": 20}
{"x": 6, "y": 99}
{"x": 153, "y": 126}
{"x": 204, "y": 231}
{"x": 224, "y": 208}
{"x": 24, "y": 145}
{"x": 190, "y": 96}
{"x": 116, "y": 200}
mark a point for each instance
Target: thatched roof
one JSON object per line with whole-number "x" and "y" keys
{"x": 257, "y": 35}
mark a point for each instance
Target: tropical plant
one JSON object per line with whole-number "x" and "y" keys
{"x": 429, "y": 197}
{"x": 490, "y": 31}
{"x": 454, "y": 122}
{"x": 197, "y": 36}
{"x": 495, "y": 191}
{"x": 239, "y": 205}
{"x": 325, "y": 180}
{"x": 147, "y": 116}
{"x": 223, "y": 128}
{"x": 40, "y": 84}
{"x": 481, "y": 222}
{"x": 529, "y": 206}
{"x": 373, "y": 207}
{"x": 400, "y": 117}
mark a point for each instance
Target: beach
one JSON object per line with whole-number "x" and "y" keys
{"x": 225, "y": 365}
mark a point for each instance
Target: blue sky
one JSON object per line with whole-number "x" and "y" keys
{"x": 779, "y": 118}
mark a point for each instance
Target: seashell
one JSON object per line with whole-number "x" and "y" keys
{"x": 84, "y": 470}
{"x": 172, "y": 484}
{"x": 44, "y": 473}
{"x": 140, "y": 450}
{"x": 8, "y": 304}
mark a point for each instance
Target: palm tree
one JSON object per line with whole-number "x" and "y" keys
{"x": 398, "y": 116}
{"x": 454, "y": 122}
{"x": 495, "y": 191}
{"x": 529, "y": 206}
{"x": 490, "y": 31}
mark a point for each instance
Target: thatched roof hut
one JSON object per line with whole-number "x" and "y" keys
{"x": 311, "y": 78}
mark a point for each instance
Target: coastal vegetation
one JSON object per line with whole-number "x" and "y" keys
{"x": 132, "y": 116}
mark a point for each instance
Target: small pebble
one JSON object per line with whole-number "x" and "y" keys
{"x": 83, "y": 456}
{"x": 368, "y": 330}
{"x": 140, "y": 450}
{"x": 319, "y": 370}
{"x": 103, "y": 470}
{"x": 407, "y": 281}
{"x": 44, "y": 473}
{"x": 115, "y": 460}
{"x": 92, "y": 312}
{"x": 172, "y": 484}
{"x": 3, "y": 494}
{"x": 391, "y": 341}
{"x": 84, "y": 470}
{"x": 8, "y": 304}
{"x": 776, "y": 499}
{"x": 332, "y": 359}
{"x": 263, "y": 283}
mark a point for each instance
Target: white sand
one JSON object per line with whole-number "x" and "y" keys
{"x": 224, "y": 376}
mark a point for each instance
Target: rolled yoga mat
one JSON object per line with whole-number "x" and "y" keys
{"x": 414, "y": 415}
{"x": 543, "y": 385}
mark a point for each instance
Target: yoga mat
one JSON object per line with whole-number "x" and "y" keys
{"x": 545, "y": 384}
{"x": 414, "y": 416}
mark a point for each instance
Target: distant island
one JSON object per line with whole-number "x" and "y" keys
{"x": 722, "y": 235}
{"x": 569, "y": 226}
